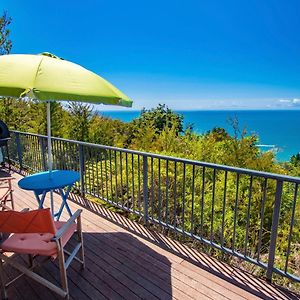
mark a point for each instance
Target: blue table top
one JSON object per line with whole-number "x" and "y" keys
{"x": 46, "y": 181}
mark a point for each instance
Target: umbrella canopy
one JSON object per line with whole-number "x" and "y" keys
{"x": 46, "y": 77}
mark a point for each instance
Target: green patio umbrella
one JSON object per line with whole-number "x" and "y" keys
{"x": 46, "y": 77}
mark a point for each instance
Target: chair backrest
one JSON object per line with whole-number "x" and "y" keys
{"x": 34, "y": 221}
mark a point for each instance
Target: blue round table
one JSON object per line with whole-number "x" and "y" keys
{"x": 42, "y": 183}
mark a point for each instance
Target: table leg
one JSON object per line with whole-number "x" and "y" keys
{"x": 64, "y": 203}
{"x": 40, "y": 200}
{"x": 51, "y": 203}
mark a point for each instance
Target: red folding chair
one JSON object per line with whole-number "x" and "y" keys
{"x": 36, "y": 234}
{"x": 6, "y": 193}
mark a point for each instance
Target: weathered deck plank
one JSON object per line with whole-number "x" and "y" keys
{"x": 125, "y": 260}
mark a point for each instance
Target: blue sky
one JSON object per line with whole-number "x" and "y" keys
{"x": 188, "y": 54}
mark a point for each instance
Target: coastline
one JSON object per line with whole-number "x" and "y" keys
{"x": 277, "y": 127}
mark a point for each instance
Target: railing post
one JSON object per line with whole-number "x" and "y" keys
{"x": 43, "y": 150}
{"x": 274, "y": 229}
{"x": 145, "y": 188}
{"x": 19, "y": 150}
{"x": 81, "y": 169}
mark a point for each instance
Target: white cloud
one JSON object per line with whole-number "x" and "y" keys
{"x": 296, "y": 101}
{"x": 284, "y": 101}
{"x": 288, "y": 103}
{"x": 207, "y": 104}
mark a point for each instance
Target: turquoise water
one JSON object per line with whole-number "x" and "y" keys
{"x": 278, "y": 129}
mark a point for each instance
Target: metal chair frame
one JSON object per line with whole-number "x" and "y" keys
{"x": 63, "y": 291}
{"x": 5, "y": 183}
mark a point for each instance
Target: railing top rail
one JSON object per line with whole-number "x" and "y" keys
{"x": 249, "y": 172}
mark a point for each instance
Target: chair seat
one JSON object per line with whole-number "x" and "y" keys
{"x": 36, "y": 233}
{"x": 36, "y": 243}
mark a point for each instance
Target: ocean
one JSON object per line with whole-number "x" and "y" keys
{"x": 277, "y": 129}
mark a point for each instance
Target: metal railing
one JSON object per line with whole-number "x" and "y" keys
{"x": 252, "y": 215}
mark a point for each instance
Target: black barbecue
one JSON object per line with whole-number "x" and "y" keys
{"x": 4, "y": 137}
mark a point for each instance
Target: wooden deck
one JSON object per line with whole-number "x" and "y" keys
{"x": 125, "y": 260}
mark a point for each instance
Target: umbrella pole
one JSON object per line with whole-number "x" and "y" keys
{"x": 50, "y": 161}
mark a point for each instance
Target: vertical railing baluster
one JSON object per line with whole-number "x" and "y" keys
{"x": 145, "y": 188}
{"x": 54, "y": 156}
{"x": 235, "y": 210}
{"x": 89, "y": 165}
{"x": 67, "y": 152}
{"x": 274, "y": 229}
{"x": 95, "y": 181}
{"x": 202, "y": 202}
{"x": 29, "y": 160}
{"x": 127, "y": 180}
{"x": 193, "y": 199}
{"x": 97, "y": 172}
{"x": 159, "y": 191}
{"x": 43, "y": 152}
{"x": 111, "y": 177}
{"x": 106, "y": 175}
{"x": 121, "y": 179}
{"x": 262, "y": 216}
{"x": 101, "y": 173}
{"x": 224, "y": 208}
{"x": 116, "y": 177}
{"x": 183, "y": 197}
{"x": 19, "y": 150}
{"x": 81, "y": 169}
{"x": 139, "y": 185}
{"x": 152, "y": 188}
{"x": 38, "y": 155}
{"x": 248, "y": 216}
{"x": 132, "y": 173}
{"x": 56, "y": 159}
{"x": 62, "y": 156}
{"x": 91, "y": 170}
{"x": 92, "y": 163}
{"x": 167, "y": 193}
{"x": 74, "y": 157}
{"x": 291, "y": 228}
{"x": 213, "y": 207}
{"x": 7, "y": 156}
{"x": 175, "y": 197}
{"x": 56, "y": 143}
{"x": 33, "y": 152}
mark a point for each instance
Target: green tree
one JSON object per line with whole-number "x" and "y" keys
{"x": 15, "y": 113}
{"x": 161, "y": 117}
{"x": 5, "y": 48}
{"x": 81, "y": 115}
{"x": 106, "y": 131}
{"x": 218, "y": 133}
{"x": 295, "y": 160}
{"x": 59, "y": 118}
{"x": 5, "y": 42}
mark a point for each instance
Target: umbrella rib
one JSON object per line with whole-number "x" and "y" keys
{"x": 36, "y": 73}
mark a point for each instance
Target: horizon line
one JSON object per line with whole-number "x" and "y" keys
{"x": 204, "y": 109}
